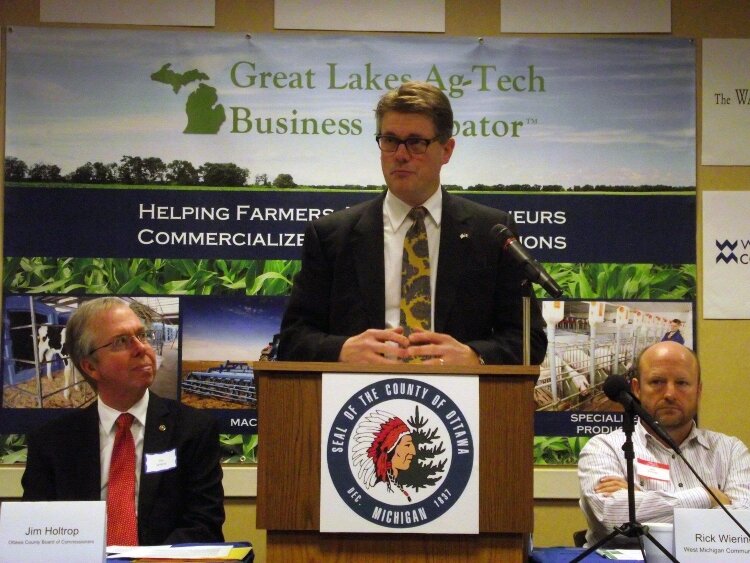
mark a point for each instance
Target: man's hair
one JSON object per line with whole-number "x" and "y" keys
{"x": 422, "y": 98}
{"x": 637, "y": 371}
{"x": 677, "y": 321}
{"x": 79, "y": 338}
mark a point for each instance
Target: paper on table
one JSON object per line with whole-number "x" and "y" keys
{"x": 621, "y": 554}
{"x": 171, "y": 552}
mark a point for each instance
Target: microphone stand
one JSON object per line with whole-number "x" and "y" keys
{"x": 526, "y": 305}
{"x": 632, "y": 528}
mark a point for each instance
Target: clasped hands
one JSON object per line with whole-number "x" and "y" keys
{"x": 391, "y": 346}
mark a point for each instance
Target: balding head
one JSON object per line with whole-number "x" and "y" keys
{"x": 669, "y": 351}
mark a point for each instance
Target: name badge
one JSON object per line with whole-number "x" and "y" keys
{"x": 652, "y": 470}
{"x": 161, "y": 461}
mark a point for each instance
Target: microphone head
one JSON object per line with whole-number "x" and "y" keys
{"x": 502, "y": 232}
{"x": 614, "y": 386}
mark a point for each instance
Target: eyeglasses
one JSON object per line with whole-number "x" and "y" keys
{"x": 124, "y": 341}
{"x": 415, "y": 145}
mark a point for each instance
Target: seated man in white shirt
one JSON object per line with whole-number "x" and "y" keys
{"x": 668, "y": 384}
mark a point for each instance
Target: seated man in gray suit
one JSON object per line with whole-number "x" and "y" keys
{"x": 347, "y": 302}
{"x": 174, "y": 476}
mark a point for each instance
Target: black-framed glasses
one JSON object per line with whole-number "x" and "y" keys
{"x": 124, "y": 341}
{"x": 415, "y": 145}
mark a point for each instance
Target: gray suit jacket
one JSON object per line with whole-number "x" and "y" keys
{"x": 184, "y": 504}
{"x": 340, "y": 290}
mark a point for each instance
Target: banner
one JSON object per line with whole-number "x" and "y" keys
{"x": 183, "y": 166}
{"x": 726, "y": 96}
{"x": 726, "y": 255}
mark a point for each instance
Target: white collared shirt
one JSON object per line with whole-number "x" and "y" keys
{"x": 395, "y": 225}
{"x": 108, "y": 429}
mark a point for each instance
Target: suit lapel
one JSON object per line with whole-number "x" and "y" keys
{"x": 367, "y": 245}
{"x": 455, "y": 237}
{"x": 157, "y": 437}
{"x": 87, "y": 457}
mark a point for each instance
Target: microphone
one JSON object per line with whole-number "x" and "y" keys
{"x": 616, "y": 388}
{"x": 535, "y": 272}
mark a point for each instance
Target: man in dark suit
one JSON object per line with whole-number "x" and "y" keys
{"x": 345, "y": 301}
{"x": 178, "y": 477}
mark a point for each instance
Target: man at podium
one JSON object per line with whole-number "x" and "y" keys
{"x": 416, "y": 273}
{"x": 154, "y": 460}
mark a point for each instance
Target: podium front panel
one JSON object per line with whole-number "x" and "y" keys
{"x": 289, "y": 406}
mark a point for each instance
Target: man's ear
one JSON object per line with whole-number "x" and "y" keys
{"x": 635, "y": 387}
{"x": 89, "y": 368}
{"x": 448, "y": 147}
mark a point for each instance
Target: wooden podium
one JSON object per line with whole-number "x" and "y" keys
{"x": 288, "y": 503}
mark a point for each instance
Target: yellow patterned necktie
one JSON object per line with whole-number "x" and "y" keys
{"x": 416, "y": 302}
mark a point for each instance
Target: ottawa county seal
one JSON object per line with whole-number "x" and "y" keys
{"x": 400, "y": 453}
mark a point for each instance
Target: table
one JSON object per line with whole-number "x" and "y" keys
{"x": 564, "y": 555}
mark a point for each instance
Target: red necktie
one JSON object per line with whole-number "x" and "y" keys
{"x": 122, "y": 525}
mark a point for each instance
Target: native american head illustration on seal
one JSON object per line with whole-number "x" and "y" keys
{"x": 383, "y": 447}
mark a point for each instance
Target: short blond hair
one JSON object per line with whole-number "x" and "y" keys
{"x": 422, "y": 98}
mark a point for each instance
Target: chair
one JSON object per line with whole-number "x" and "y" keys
{"x": 579, "y": 538}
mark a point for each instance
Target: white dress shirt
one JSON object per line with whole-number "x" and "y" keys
{"x": 108, "y": 430}
{"x": 395, "y": 225}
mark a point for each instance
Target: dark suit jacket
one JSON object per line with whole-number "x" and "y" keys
{"x": 340, "y": 290}
{"x": 675, "y": 336}
{"x": 184, "y": 504}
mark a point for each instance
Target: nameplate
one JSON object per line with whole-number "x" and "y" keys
{"x": 710, "y": 535}
{"x": 53, "y": 532}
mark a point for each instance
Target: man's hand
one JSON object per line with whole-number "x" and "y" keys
{"x": 725, "y": 500}
{"x": 610, "y": 484}
{"x": 440, "y": 349}
{"x": 375, "y": 346}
